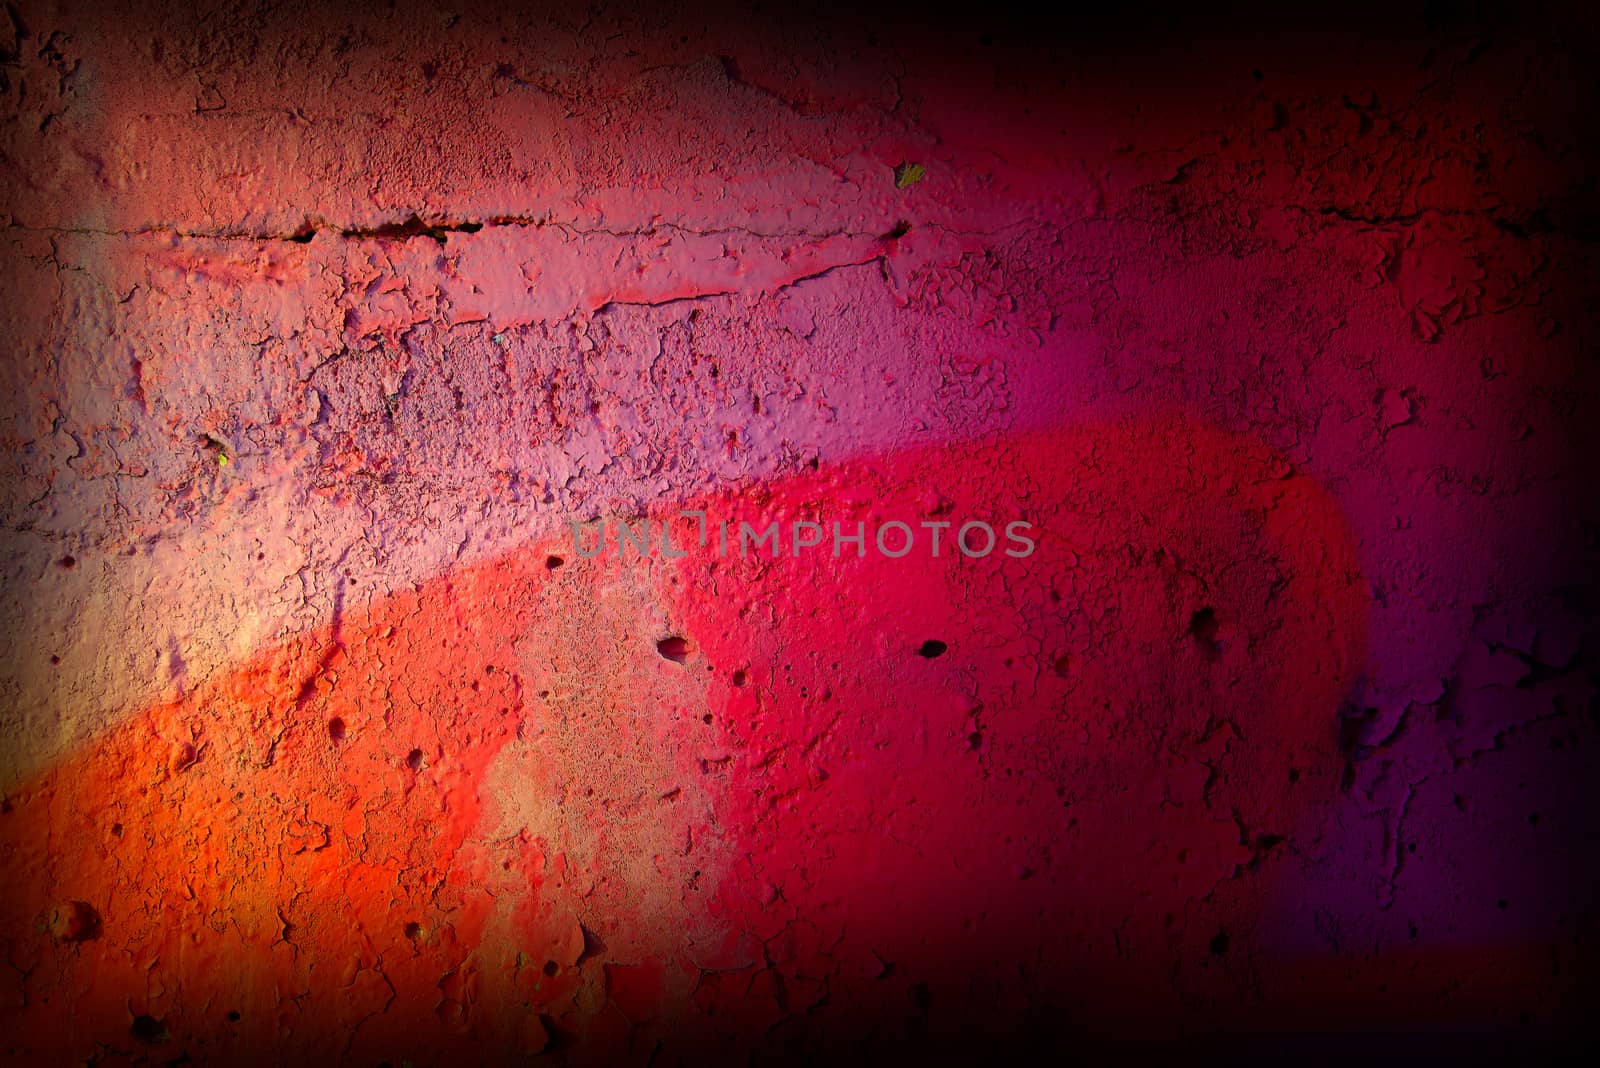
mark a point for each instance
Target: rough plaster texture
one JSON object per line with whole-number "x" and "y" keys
{"x": 320, "y": 742}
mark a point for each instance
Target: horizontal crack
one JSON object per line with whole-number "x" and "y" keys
{"x": 415, "y": 226}
{"x": 810, "y": 276}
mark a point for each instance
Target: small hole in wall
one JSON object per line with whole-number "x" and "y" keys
{"x": 674, "y": 649}
{"x": 706, "y": 718}
{"x": 414, "y": 760}
{"x": 76, "y": 921}
{"x": 932, "y": 648}
{"x": 551, "y": 968}
{"x": 68, "y": 562}
{"x": 149, "y": 1029}
{"x": 54, "y": 659}
{"x": 233, "y": 1017}
{"x": 336, "y": 729}
{"x": 413, "y": 930}
{"x": 553, "y": 562}
{"x": 740, "y": 678}
{"x": 1203, "y": 628}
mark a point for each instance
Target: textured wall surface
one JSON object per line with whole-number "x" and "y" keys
{"x": 323, "y": 742}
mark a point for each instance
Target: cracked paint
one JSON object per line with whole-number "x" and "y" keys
{"x": 323, "y": 741}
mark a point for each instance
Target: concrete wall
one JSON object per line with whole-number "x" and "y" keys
{"x": 323, "y": 740}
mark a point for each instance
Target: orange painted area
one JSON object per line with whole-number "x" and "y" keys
{"x": 616, "y": 804}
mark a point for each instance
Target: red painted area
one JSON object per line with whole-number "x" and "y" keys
{"x": 805, "y": 814}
